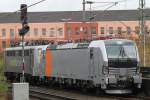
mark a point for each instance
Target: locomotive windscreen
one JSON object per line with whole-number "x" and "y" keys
{"x": 121, "y": 53}
{"x": 121, "y": 49}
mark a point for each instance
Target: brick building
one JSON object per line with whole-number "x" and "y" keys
{"x": 68, "y": 25}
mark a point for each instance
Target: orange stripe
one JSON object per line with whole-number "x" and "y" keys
{"x": 48, "y": 64}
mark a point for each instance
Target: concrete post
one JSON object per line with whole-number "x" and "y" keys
{"x": 20, "y": 91}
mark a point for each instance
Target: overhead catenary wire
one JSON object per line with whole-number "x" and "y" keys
{"x": 107, "y": 2}
{"x": 7, "y": 14}
{"x": 122, "y": 21}
{"x": 114, "y": 3}
{"x": 101, "y": 6}
{"x": 23, "y": 8}
{"x": 32, "y": 5}
{"x": 106, "y": 10}
{"x": 45, "y": 0}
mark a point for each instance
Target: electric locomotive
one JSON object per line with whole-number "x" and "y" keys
{"x": 110, "y": 65}
{"x": 121, "y": 72}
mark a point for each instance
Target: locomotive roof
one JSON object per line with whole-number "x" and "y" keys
{"x": 119, "y": 42}
{"x": 99, "y": 43}
{"x": 95, "y": 43}
{"x": 69, "y": 46}
{"x": 123, "y": 40}
{"x": 26, "y": 47}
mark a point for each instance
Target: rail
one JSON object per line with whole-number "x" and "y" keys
{"x": 45, "y": 93}
{"x": 60, "y": 94}
{"x": 145, "y": 72}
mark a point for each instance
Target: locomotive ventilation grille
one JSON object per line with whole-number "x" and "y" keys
{"x": 116, "y": 71}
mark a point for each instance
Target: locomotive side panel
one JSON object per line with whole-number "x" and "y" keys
{"x": 48, "y": 63}
{"x": 97, "y": 63}
{"x": 70, "y": 63}
{"x": 38, "y": 64}
{"x": 14, "y": 63}
{"x": 39, "y": 61}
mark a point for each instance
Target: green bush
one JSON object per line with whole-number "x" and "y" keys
{"x": 141, "y": 52}
{"x": 3, "y": 83}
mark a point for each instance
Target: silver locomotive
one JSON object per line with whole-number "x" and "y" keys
{"x": 110, "y": 65}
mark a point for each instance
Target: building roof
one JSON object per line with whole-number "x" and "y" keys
{"x": 75, "y": 16}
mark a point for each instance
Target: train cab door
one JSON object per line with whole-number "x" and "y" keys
{"x": 96, "y": 63}
{"x": 31, "y": 60}
{"x": 92, "y": 65}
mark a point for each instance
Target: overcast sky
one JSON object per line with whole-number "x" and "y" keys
{"x": 67, "y": 5}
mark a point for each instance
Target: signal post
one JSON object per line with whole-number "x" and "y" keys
{"x": 21, "y": 90}
{"x": 22, "y": 32}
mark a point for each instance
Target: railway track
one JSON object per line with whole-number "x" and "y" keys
{"x": 44, "y": 93}
{"x": 133, "y": 97}
{"x": 60, "y": 94}
{"x": 57, "y": 94}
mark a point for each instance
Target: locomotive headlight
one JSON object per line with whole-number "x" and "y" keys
{"x": 138, "y": 68}
{"x": 105, "y": 67}
{"x": 137, "y": 79}
{"x": 106, "y": 80}
{"x": 105, "y": 63}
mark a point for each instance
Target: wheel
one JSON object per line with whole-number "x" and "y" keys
{"x": 84, "y": 90}
{"x": 98, "y": 91}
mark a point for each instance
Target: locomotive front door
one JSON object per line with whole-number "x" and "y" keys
{"x": 96, "y": 64}
{"x": 31, "y": 60}
{"x": 91, "y": 67}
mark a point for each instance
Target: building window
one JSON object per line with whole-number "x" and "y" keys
{"x": 35, "y": 31}
{"x": 85, "y": 30}
{"x": 119, "y": 30}
{"x": 43, "y": 31}
{"x": 3, "y": 32}
{"x": 69, "y": 31}
{"x": 3, "y": 44}
{"x": 60, "y": 31}
{"x": 77, "y": 30}
{"x": 12, "y": 43}
{"x": 102, "y": 29}
{"x": 137, "y": 29}
{"x": 111, "y": 30}
{"x": 93, "y": 30}
{"x": 51, "y": 34}
{"x": 128, "y": 30}
{"x": 28, "y": 33}
{"x": 12, "y": 33}
{"x": 146, "y": 30}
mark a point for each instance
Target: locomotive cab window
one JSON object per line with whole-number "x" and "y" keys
{"x": 121, "y": 54}
{"x": 91, "y": 53}
{"x": 124, "y": 50}
{"x": 19, "y": 53}
{"x": 26, "y": 52}
{"x": 10, "y": 53}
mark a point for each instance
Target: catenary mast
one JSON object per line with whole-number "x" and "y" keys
{"x": 142, "y": 26}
